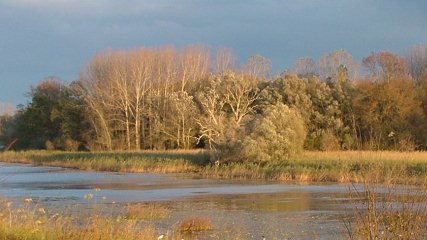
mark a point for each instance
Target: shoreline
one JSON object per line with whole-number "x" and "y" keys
{"x": 311, "y": 167}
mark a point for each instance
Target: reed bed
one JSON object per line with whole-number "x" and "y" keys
{"x": 339, "y": 166}
{"x": 31, "y": 222}
{"x": 145, "y": 211}
{"x": 195, "y": 224}
{"x": 138, "y": 162}
{"x": 383, "y": 212}
{"x": 28, "y": 220}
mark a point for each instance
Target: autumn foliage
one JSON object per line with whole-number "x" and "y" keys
{"x": 168, "y": 98}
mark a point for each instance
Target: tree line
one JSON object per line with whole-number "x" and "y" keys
{"x": 168, "y": 98}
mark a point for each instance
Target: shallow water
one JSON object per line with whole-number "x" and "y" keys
{"x": 249, "y": 208}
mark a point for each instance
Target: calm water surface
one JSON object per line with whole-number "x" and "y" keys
{"x": 250, "y": 208}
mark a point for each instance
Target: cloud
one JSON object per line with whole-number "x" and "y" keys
{"x": 57, "y": 37}
{"x": 85, "y": 8}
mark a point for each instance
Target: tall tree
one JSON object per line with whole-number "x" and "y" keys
{"x": 387, "y": 103}
{"x": 328, "y": 65}
{"x": 55, "y": 118}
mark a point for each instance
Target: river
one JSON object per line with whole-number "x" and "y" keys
{"x": 253, "y": 208}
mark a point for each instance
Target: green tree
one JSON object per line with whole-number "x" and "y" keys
{"x": 343, "y": 92}
{"x": 276, "y": 134}
{"x": 55, "y": 118}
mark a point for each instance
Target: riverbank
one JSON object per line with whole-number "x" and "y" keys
{"x": 340, "y": 166}
{"x": 29, "y": 220}
{"x": 249, "y": 209}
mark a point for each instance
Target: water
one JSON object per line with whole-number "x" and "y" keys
{"x": 251, "y": 208}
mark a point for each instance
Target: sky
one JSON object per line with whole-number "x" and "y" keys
{"x": 41, "y": 38}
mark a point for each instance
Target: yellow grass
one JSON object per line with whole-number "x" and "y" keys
{"x": 382, "y": 212}
{"x": 339, "y": 166}
{"x": 146, "y": 211}
{"x": 195, "y": 224}
{"x": 29, "y": 221}
{"x": 367, "y": 155}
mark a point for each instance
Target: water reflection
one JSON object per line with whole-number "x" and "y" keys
{"x": 278, "y": 211}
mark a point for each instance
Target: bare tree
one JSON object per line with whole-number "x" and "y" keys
{"x": 211, "y": 121}
{"x": 240, "y": 94}
{"x": 225, "y": 61}
{"x": 384, "y": 66}
{"x": 418, "y": 62}
{"x": 140, "y": 71}
{"x": 97, "y": 94}
{"x": 258, "y": 67}
{"x": 305, "y": 66}
{"x": 328, "y": 65}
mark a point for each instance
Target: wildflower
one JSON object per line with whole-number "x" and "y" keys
{"x": 89, "y": 196}
{"x": 42, "y": 211}
{"x": 28, "y": 200}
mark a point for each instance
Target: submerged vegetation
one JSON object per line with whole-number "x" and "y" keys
{"x": 340, "y": 166}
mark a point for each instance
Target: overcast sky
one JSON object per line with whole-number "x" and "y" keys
{"x": 40, "y": 38}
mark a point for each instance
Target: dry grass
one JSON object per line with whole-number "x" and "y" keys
{"x": 366, "y": 155}
{"x": 389, "y": 211}
{"x": 339, "y": 166}
{"x": 28, "y": 221}
{"x": 140, "y": 162}
{"x": 147, "y": 211}
{"x": 195, "y": 224}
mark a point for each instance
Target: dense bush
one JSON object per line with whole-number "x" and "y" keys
{"x": 278, "y": 133}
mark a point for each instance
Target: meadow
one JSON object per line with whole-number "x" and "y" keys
{"x": 339, "y": 166}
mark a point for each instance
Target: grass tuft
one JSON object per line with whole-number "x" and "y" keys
{"x": 389, "y": 211}
{"x": 147, "y": 211}
{"x": 195, "y": 224}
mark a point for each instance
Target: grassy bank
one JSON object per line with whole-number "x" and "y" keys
{"x": 344, "y": 166}
{"x": 28, "y": 220}
{"x": 139, "y": 162}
